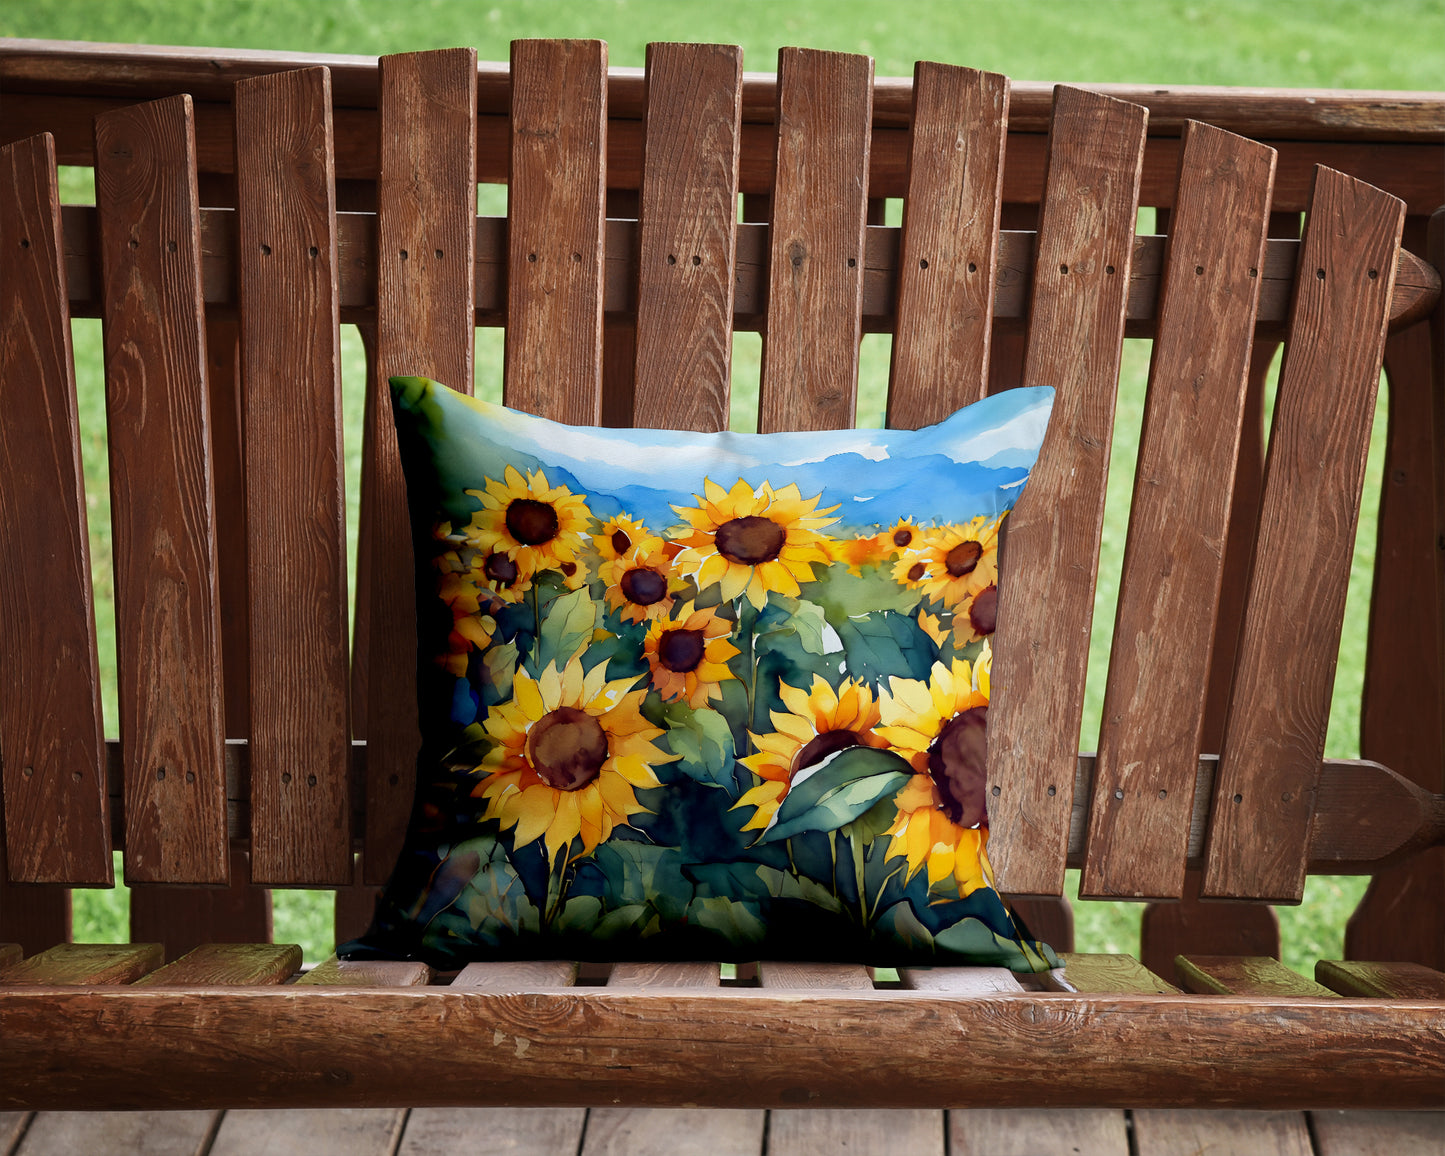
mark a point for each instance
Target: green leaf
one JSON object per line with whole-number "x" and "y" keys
{"x": 579, "y": 914}
{"x": 566, "y": 629}
{"x": 736, "y": 922}
{"x": 900, "y": 925}
{"x": 883, "y": 644}
{"x": 787, "y": 885}
{"x": 500, "y": 664}
{"x": 623, "y": 919}
{"x": 704, "y": 740}
{"x": 841, "y": 789}
{"x": 973, "y": 942}
{"x": 843, "y": 595}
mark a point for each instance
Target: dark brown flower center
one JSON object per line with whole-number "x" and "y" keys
{"x": 963, "y": 558}
{"x": 956, "y": 765}
{"x": 750, "y": 540}
{"x": 531, "y": 522}
{"x": 902, "y": 537}
{"x": 569, "y": 568}
{"x": 680, "y": 650}
{"x": 825, "y": 744}
{"x": 916, "y": 571}
{"x": 568, "y": 748}
{"x": 983, "y": 613}
{"x": 643, "y": 585}
{"x": 500, "y": 569}
{"x": 621, "y": 543}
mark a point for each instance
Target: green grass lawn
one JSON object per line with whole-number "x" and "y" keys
{"x": 1396, "y": 44}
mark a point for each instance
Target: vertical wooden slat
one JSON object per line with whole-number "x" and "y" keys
{"x": 555, "y": 206}
{"x": 426, "y": 221}
{"x": 1153, "y": 714}
{"x": 1190, "y": 925}
{"x": 34, "y": 915}
{"x": 286, "y": 229}
{"x": 168, "y": 633}
{"x": 687, "y": 236}
{"x": 1275, "y": 733}
{"x": 1076, "y": 334}
{"x": 946, "y": 268}
{"x": 815, "y": 262}
{"x": 57, "y": 824}
{"x": 182, "y": 918}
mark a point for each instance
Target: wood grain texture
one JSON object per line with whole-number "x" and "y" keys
{"x": 120, "y": 1133}
{"x": 286, "y": 233}
{"x": 949, "y": 247}
{"x": 687, "y": 236}
{"x": 34, "y": 915}
{"x": 168, "y": 632}
{"x": 1275, "y": 732}
{"x": 1170, "y": 1132}
{"x": 1096, "y": 972}
{"x": 814, "y": 976}
{"x": 555, "y": 206}
{"x": 1242, "y": 975}
{"x": 522, "y": 975}
{"x": 875, "y": 1132}
{"x": 1191, "y": 925}
{"x": 1378, "y": 1133}
{"x": 896, "y": 1049}
{"x": 674, "y": 1132}
{"x": 228, "y": 963}
{"x": 1076, "y": 331}
{"x": 1154, "y": 700}
{"x": 1032, "y": 1131}
{"x": 69, "y": 964}
{"x": 56, "y": 817}
{"x": 321, "y": 1132}
{"x": 959, "y": 980}
{"x": 426, "y": 225}
{"x": 1384, "y": 980}
{"x": 816, "y": 242}
{"x": 335, "y": 972}
{"x": 183, "y": 917}
{"x": 514, "y": 1131}
{"x": 642, "y": 975}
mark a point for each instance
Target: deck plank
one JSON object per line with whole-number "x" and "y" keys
{"x": 674, "y": 1132}
{"x": 12, "y": 1127}
{"x": 1379, "y": 1133}
{"x": 313, "y": 1131}
{"x": 1030, "y": 1131}
{"x": 514, "y": 1131}
{"x": 118, "y": 1133}
{"x": 858, "y": 1132}
{"x": 1172, "y": 1131}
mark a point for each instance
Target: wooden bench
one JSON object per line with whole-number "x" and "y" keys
{"x": 242, "y": 212}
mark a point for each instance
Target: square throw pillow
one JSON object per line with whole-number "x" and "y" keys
{"x": 703, "y": 696}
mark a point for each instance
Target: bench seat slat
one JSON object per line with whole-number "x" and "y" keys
{"x": 1154, "y": 701}
{"x": 1243, "y": 975}
{"x": 814, "y": 976}
{"x": 815, "y": 259}
{"x": 1051, "y": 551}
{"x": 1384, "y": 980}
{"x": 1095, "y": 972}
{"x": 959, "y": 980}
{"x": 168, "y": 634}
{"x": 56, "y": 817}
{"x": 426, "y": 250}
{"x": 948, "y": 250}
{"x": 519, "y": 976}
{"x": 687, "y": 236}
{"x": 300, "y": 756}
{"x": 228, "y": 963}
{"x": 335, "y": 972}
{"x": 83, "y": 964}
{"x": 1275, "y": 732}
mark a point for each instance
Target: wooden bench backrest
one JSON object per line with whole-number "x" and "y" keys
{"x": 226, "y": 448}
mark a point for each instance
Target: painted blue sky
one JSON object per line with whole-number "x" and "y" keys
{"x": 969, "y": 464}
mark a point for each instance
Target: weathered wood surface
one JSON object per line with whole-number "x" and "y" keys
{"x": 118, "y": 1133}
{"x": 896, "y": 1049}
{"x": 1342, "y": 1133}
{"x": 1075, "y": 339}
{"x": 948, "y": 250}
{"x": 555, "y": 253}
{"x": 524, "y": 975}
{"x": 515, "y": 1131}
{"x": 675, "y": 1132}
{"x": 56, "y": 818}
{"x": 84, "y": 964}
{"x": 323, "y": 1132}
{"x": 1033, "y": 1131}
{"x": 1243, "y": 975}
{"x": 1153, "y": 714}
{"x": 33, "y": 915}
{"x": 426, "y": 224}
{"x": 1385, "y": 980}
{"x": 1174, "y": 1131}
{"x": 168, "y": 632}
{"x": 1096, "y": 972}
{"x": 959, "y": 980}
{"x": 335, "y": 972}
{"x": 816, "y": 260}
{"x": 687, "y": 236}
{"x": 295, "y": 501}
{"x": 869, "y": 1133}
{"x": 814, "y": 976}
{"x": 228, "y": 963}
{"x": 1275, "y": 732}
{"x": 183, "y": 918}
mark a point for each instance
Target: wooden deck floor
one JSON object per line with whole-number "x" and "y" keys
{"x": 699, "y": 1132}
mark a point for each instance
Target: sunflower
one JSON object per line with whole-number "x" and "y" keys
{"x": 618, "y": 535}
{"x": 855, "y": 553}
{"x": 903, "y": 535}
{"x": 960, "y": 563}
{"x": 471, "y": 578}
{"x": 536, "y": 525}
{"x": 688, "y": 654}
{"x": 568, "y": 751}
{"x": 940, "y": 727}
{"x": 641, "y": 581}
{"x": 817, "y": 723}
{"x": 752, "y": 541}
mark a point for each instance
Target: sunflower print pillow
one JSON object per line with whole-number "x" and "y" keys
{"x": 703, "y": 696}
